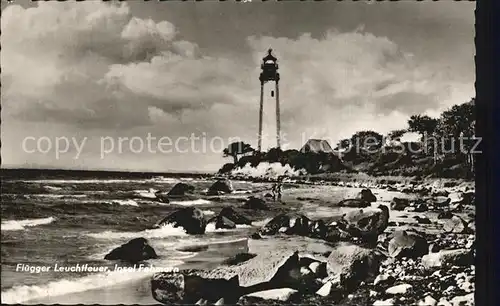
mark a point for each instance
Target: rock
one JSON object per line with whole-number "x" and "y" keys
{"x": 422, "y": 207}
{"x": 458, "y": 257}
{"x": 220, "y": 302}
{"x": 358, "y": 203}
{"x": 222, "y": 222}
{"x": 399, "y": 204}
{"x": 281, "y": 294}
{"x": 162, "y": 197}
{"x": 468, "y": 198}
{"x": 292, "y": 224}
{"x": 220, "y": 186}
{"x": 440, "y": 193}
{"x": 255, "y": 204}
{"x": 366, "y": 195}
{"x": 384, "y": 279}
{"x": 189, "y": 218}
{"x": 180, "y": 189}
{"x": 439, "y": 202}
{"x": 234, "y": 216}
{"x": 318, "y": 229}
{"x": 352, "y": 263}
{"x": 388, "y": 302}
{"x": 134, "y": 251}
{"x": 256, "y": 236}
{"x": 422, "y": 220}
{"x": 318, "y": 268}
{"x": 325, "y": 289}
{"x": 445, "y": 215}
{"x": 444, "y": 302}
{"x": 471, "y": 226}
{"x": 455, "y": 225}
{"x": 465, "y": 300}
{"x": 270, "y": 270}
{"x": 399, "y": 289}
{"x": 427, "y": 301}
{"x": 407, "y": 244}
{"x": 368, "y": 223}
{"x": 191, "y": 286}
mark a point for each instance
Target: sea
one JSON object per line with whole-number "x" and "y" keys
{"x": 74, "y": 218}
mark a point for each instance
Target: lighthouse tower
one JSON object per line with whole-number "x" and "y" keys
{"x": 269, "y": 73}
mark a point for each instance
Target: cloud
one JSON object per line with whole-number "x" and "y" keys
{"x": 96, "y": 68}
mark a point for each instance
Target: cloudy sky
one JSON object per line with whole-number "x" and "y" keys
{"x": 94, "y": 72}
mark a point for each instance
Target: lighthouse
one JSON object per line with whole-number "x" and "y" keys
{"x": 268, "y": 74}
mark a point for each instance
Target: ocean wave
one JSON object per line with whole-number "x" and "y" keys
{"x": 261, "y": 223}
{"x": 191, "y": 202}
{"x": 16, "y": 225}
{"x": 208, "y": 212}
{"x": 24, "y": 293}
{"x": 242, "y": 191}
{"x": 149, "y": 194}
{"x": 52, "y": 188}
{"x": 125, "y": 202}
{"x": 162, "y": 232}
{"x": 211, "y": 228}
{"x": 58, "y": 196}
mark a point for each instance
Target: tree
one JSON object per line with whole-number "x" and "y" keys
{"x": 343, "y": 144}
{"x": 396, "y": 134}
{"x": 456, "y": 125}
{"x": 237, "y": 148}
{"x": 425, "y": 126}
{"x": 366, "y": 139}
{"x": 422, "y": 124}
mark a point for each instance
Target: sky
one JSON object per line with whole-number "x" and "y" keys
{"x": 165, "y": 86}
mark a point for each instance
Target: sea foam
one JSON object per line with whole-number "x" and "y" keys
{"x": 191, "y": 202}
{"x": 16, "y": 225}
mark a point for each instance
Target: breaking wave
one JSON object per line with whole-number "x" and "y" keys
{"x": 162, "y": 232}
{"x": 16, "y": 225}
{"x": 191, "y": 202}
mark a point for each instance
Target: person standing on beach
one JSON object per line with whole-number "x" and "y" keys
{"x": 273, "y": 191}
{"x": 279, "y": 187}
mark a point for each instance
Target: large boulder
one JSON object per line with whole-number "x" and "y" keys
{"x": 399, "y": 204}
{"x": 457, "y": 257}
{"x": 290, "y": 224}
{"x": 367, "y": 223}
{"x": 220, "y": 187}
{"x": 255, "y": 204}
{"x": 455, "y": 225}
{"x": 222, "y": 222}
{"x": 237, "y": 218}
{"x": 266, "y": 271}
{"x": 189, "y": 218}
{"x": 357, "y": 203}
{"x": 366, "y": 195}
{"x": 351, "y": 264}
{"x": 407, "y": 244}
{"x": 439, "y": 202}
{"x": 180, "y": 189}
{"x": 134, "y": 251}
{"x": 188, "y": 287}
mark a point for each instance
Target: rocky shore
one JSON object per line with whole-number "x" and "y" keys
{"x": 391, "y": 243}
